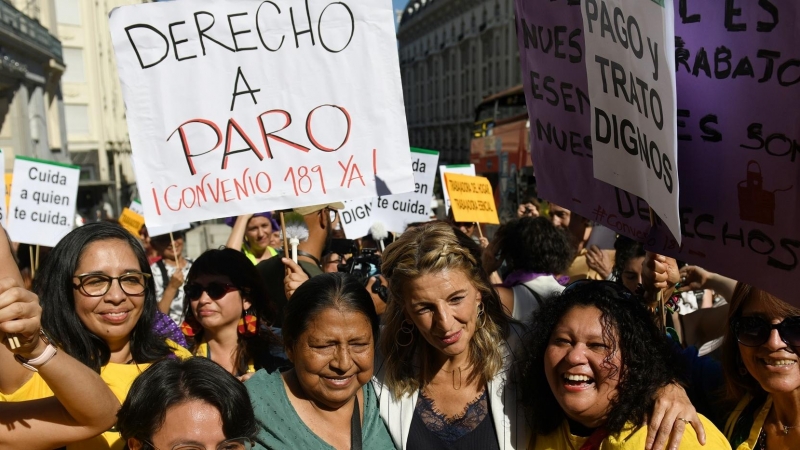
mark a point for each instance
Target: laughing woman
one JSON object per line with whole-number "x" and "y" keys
{"x": 596, "y": 364}
{"x": 98, "y": 304}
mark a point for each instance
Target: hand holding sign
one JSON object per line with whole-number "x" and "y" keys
{"x": 295, "y": 276}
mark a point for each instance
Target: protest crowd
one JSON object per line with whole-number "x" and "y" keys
{"x": 441, "y": 339}
{"x": 360, "y": 302}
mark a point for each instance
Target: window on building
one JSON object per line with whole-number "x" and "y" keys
{"x": 68, "y": 12}
{"x": 73, "y": 58}
{"x": 77, "y": 118}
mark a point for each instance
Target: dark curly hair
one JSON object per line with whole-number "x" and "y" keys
{"x": 534, "y": 244}
{"x": 648, "y": 362}
{"x": 626, "y": 249}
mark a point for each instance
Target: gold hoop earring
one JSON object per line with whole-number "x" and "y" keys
{"x": 481, "y": 315}
{"x": 407, "y": 329}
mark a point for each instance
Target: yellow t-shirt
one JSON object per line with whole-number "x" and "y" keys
{"x": 118, "y": 377}
{"x": 758, "y": 421}
{"x": 202, "y": 351}
{"x": 630, "y": 438}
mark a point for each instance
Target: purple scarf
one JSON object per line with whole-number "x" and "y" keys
{"x": 518, "y": 277}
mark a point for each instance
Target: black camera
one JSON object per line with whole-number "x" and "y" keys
{"x": 361, "y": 262}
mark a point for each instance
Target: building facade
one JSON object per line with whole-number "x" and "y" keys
{"x": 97, "y": 131}
{"x": 31, "y": 66}
{"x": 453, "y": 53}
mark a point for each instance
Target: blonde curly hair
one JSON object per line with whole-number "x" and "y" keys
{"x": 432, "y": 248}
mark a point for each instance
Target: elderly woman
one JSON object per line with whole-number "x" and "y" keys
{"x": 326, "y": 400}
{"x": 227, "y": 313}
{"x": 762, "y": 374}
{"x": 448, "y": 349}
{"x": 596, "y": 363}
{"x": 188, "y": 405}
{"x": 98, "y": 306}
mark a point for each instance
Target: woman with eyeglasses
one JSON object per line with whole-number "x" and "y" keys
{"x": 227, "y": 313}
{"x": 82, "y": 405}
{"x": 762, "y": 372}
{"x": 187, "y": 405}
{"x": 98, "y": 306}
{"x": 596, "y": 363}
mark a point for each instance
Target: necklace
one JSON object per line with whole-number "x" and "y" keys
{"x": 786, "y": 428}
{"x": 453, "y": 372}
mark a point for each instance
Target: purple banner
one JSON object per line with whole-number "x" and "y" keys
{"x": 738, "y": 87}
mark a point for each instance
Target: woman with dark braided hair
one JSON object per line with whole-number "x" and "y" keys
{"x": 596, "y": 364}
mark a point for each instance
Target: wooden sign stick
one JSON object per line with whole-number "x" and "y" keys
{"x": 480, "y": 232}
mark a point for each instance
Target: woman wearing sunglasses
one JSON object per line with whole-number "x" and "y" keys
{"x": 762, "y": 373}
{"x": 98, "y": 306}
{"x": 187, "y": 405}
{"x": 227, "y": 313}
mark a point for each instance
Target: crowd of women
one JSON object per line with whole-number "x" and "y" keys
{"x": 480, "y": 346}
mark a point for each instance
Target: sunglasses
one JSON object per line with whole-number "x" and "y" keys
{"x": 754, "y": 331}
{"x": 215, "y": 291}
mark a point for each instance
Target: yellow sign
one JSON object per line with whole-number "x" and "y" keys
{"x": 131, "y": 221}
{"x": 9, "y": 177}
{"x": 471, "y": 198}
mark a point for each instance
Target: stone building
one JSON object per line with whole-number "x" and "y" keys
{"x": 31, "y": 66}
{"x": 453, "y": 53}
{"x": 97, "y": 130}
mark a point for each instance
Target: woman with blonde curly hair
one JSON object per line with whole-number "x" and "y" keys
{"x": 447, "y": 345}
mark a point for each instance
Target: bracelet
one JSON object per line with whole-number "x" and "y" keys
{"x": 48, "y": 354}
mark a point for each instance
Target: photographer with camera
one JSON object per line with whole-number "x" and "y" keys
{"x": 364, "y": 263}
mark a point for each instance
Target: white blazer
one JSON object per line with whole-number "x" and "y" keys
{"x": 508, "y": 415}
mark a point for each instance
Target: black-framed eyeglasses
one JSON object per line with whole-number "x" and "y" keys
{"x": 215, "y": 290}
{"x": 98, "y": 284}
{"x": 230, "y": 444}
{"x": 753, "y": 331}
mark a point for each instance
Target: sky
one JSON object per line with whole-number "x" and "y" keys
{"x": 398, "y": 4}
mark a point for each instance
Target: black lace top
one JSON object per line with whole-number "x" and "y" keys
{"x": 472, "y": 430}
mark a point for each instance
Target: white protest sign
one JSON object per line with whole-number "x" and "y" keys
{"x": 166, "y": 229}
{"x": 136, "y": 206}
{"x": 356, "y": 217}
{"x": 630, "y": 64}
{"x": 43, "y": 197}
{"x": 239, "y": 106}
{"x": 463, "y": 169}
{"x": 3, "y": 212}
{"x": 397, "y": 211}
